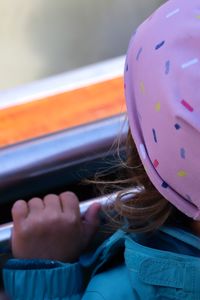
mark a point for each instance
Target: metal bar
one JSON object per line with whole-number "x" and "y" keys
{"x": 6, "y": 229}
{"x": 29, "y": 168}
{"x": 45, "y": 155}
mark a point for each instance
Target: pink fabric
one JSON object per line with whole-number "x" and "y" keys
{"x": 162, "y": 87}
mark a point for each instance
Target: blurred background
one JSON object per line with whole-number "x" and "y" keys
{"x": 40, "y": 38}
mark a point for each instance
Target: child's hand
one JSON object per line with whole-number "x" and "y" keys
{"x": 52, "y": 228}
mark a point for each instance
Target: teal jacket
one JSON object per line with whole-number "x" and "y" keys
{"x": 164, "y": 266}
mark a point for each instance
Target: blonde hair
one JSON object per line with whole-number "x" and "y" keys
{"x": 144, "y": 211}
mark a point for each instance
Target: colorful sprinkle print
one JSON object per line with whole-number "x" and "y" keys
{"x": 167, "y": 67}
{"x": 172, "y": 13}
{"x": 157, "y": 106}
{"x": 159, "y": 45}
{"x": 165, "y": 185}
{"x": 187, "y": 105}
{"x": 182, "y": 153}
{"x": 182, "y": 173}
{"x": 163, "y": 88}
{"x": 189, "y": 63}
{"x": 156, "y": 163}
{"x": 154, "y": 135}
{"x": 127, "y": 68}
{"x": 138, "y": 54}
{"x": 177, "y": 126}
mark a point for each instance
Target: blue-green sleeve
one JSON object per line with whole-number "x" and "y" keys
{"x": 43, "y": 280}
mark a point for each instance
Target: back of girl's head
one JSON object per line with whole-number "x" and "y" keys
{"x": 162, "y": 75}
{"x": 145, "y": 210}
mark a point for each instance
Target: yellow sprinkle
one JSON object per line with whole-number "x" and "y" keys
{"x": 157, "y": 106}
{"x": 198, "y": 17}
{"x": 142, "y": 87}
{"x": 182, "y": 173}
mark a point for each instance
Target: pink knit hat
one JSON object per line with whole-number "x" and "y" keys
{"x": 162, "y": 87}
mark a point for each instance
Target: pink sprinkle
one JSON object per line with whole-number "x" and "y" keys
{"x": 187, "y": 105}
{"x": 155, "y": 163}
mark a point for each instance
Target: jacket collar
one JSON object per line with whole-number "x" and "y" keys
{"x": 165, "y": 269}
{"x": 183, "y": 236}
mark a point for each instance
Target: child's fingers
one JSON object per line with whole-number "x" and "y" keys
{"x": 91, "y": 220}
{"x": 19, "y": 211}
{"x": 70, "y": 203}
{"x": 52, "y": 202}
{"x": 35, "y": 205}
{"x": 92, "y": 214}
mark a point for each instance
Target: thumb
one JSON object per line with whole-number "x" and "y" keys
{"x": 91, "y": 221}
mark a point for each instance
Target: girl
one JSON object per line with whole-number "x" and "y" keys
{"x": 156, "y": 253}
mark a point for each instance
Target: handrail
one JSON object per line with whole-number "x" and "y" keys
{"x": 63, "y": 150}
{"x": 6, "y": 229}
{"x": 45, "y": 155}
